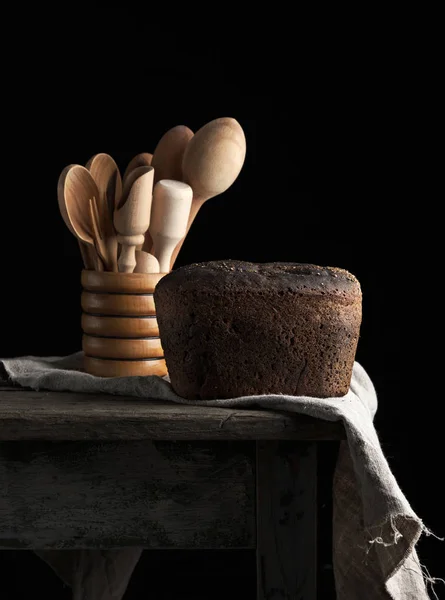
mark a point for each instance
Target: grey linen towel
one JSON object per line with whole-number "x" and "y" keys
{"x": 375, "y": 530}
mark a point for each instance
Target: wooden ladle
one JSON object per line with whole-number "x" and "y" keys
{"x": 75, "y": 189}
{"x": 212, "y": 161}
{"x": 105, "y": 173}
{"x": 167, "y": 161}
{"x": 132, "y": 216}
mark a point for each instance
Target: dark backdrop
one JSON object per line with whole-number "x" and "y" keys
{"x": 340, "y": 170}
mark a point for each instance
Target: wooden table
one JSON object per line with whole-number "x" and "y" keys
{"x": 99, "y": 471}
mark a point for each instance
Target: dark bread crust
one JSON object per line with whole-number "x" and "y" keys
{"x": 223, "y": 275}
{"x": 232, "y": 328}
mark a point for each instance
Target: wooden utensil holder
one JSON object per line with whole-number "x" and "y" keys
{"x": 119, "y": 325}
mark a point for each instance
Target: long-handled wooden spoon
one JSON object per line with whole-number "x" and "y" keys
{"x": 105, "y": 173}
{"x": 212, "y": 161}
{"x": 167, "y": 161}
{"x": 75, "y": 188}
{"x": 132, "y": 217}
{"x": 140, "y": 160}
{"x": 169, "y": 217}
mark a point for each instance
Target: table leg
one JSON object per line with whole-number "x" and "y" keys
{"x": 94, "y": 574}
{"x": 286, "y": 520}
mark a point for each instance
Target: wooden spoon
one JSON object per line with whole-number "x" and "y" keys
{"x": 167, "y": 161}
{"x": 146, "y": 263}
{"x": 169, "y": 152}
{"x": 169, "y": 217}
{"x": 140, "y": 160}
{"x": 212, "y": 161}
{"x": 105, "y": 173}
{"x": 75, "y": 188}
{"x": 132, "y": 217}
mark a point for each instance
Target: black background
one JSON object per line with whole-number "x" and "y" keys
{"x": 342, "y": 169}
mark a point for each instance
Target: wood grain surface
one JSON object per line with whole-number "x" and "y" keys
{"x": 28, "y": 415}
{"x": 286, "y": 521}
{"x": 121, "y": 348}
{"x": 107, "y": 367}
{"x": 62, "y": 495}
{"x": 131, "y": 327}
{"x": 120, "y": 283}
{"x": 123, "y": 305}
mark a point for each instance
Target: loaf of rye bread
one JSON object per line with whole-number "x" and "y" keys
{"x": 231, "y": 328}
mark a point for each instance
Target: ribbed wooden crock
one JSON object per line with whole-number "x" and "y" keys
{"x": 119, "y": 325}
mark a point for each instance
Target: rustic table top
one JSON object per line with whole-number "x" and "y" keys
{"x": 43, "y": 415}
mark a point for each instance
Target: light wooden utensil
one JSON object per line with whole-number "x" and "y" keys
{"x": 128, "y": 182}
{"x": 140, "y": 160}
{"x": 132, "y": 216}
{"x": 105, "y": 173}
{"x": 212, "y": 161}
{"x": 75, "y": 189}
{"x": 131, "y": 178}
{"x": 169, "y": 217}
{"x": 167, "y": 161}
{"x": 169, "y": 152}
{"x": 146, "y": 263}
